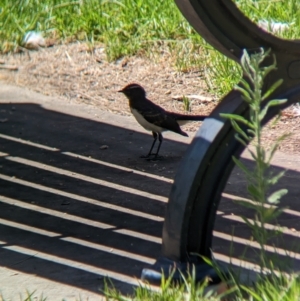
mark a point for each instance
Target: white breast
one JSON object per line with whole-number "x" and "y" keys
{"x": 145, "y": 124}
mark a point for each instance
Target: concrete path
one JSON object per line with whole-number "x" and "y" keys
{"x": 77, "y": 204}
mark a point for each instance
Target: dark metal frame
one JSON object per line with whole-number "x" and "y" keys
{"x": 207, "y": 164}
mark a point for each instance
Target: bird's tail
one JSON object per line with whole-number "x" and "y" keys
{"x": 185, "y": 117}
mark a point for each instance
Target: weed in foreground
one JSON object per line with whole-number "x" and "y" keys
{"x": 188, "y": 290}
{"x": 261, "y": 179}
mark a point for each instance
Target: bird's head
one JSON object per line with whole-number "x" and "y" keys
{"x": 133, "y": 91}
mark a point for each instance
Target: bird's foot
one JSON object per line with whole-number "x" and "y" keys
{"x": 152, "y": 157}
{"x": 155, "y": 158}
{"x": 147, "y": 156}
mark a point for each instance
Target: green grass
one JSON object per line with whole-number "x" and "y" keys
{"x": 272, "y": 288}
{"x": 266, "y": 289}
{"x": 285, "y": 11}
{"x": 188, "y": 291}
{"x": 125, "y": 26}
{"x": 130, "y": 27}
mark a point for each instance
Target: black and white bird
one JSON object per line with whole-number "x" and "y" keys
{"x": 153, "y": 117}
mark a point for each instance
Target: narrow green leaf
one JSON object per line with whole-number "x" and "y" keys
{"x": 272, "y": 151}
{"x": 272, "y": 89}
{"x": 276, "y": 196}
{"x": 253, "y": 154}
{"x": 240, "y": 140}
{"x": 242, "y": 167}
{"x": 271, "y": 103}
{"x": 275, "y": 146}
{"x": 238, "y": 129}
{"x": 245, "y": 94}
{"x": 276, "y": 119}
{"x": 252, "y": 224}
{"x": 245, "y": 62}
{"x": 277, "y": 102}
{"x": 254, "y": 191}
{"x": 252, "y": 132}
{"x": 263, "y": 154}
{"x": 245, "y": 204}
{"x": 275, "y": 179}
{"x": 268, "y": 69}
{"x": 263, "y": 113}
{"x": 252, "y": 293}
{"x": 237, "y": 118}
{"x": 272, "y": 215}
{"x": 245, "y": 85}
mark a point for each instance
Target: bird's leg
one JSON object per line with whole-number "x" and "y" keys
{"x": 149, "y": 154}
{"x": 156, "y": 157}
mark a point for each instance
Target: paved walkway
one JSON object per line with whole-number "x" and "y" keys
{"x": 78, "y": 204}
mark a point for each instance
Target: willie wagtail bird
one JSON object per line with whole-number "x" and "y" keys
{"x": 154, "y": 118}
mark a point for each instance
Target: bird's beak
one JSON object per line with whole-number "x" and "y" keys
{"x": 120, "y": 91}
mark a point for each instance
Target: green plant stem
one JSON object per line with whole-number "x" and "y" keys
{"x": 260, "y": 179}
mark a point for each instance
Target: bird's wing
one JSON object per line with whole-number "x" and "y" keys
{"x": 162, "y": 119}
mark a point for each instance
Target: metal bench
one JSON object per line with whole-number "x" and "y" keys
{"x": 207, "y": 164}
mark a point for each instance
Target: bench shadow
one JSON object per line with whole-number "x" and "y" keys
{"x": 75, "y": 213}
